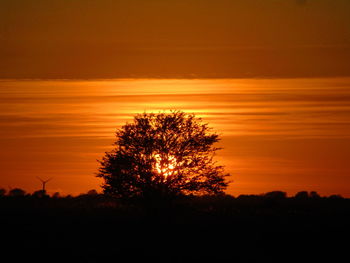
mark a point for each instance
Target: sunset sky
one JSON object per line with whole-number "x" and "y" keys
{"x": 271, "y": 76}
{"x": 174, "y": 38}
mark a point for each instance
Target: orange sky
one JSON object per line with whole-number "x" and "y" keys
{"x": 174, "y": 38}
{"x": 277, "y": 134}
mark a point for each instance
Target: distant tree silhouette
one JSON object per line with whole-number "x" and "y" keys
{"x": 2, "y": 192}
{"x": 92, "y": 192}
{"x": 302, "y": 195}
{"x": 275, "y": 195}
{"x": 314, "y": 195}
{"x": 165, "y": 154}
{"x": 56, "y": 195}
{"x": 336, "y": 197}
{"x": 17, "y": 192}
{"x": 40, "y": 194}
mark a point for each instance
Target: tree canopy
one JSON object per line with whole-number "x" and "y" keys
{"x": 164, "y": 154}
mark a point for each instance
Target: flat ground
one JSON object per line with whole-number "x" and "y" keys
{"x": 225, "y": 229}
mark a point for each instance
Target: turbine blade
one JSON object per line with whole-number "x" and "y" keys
{"x": 40, "y": 179}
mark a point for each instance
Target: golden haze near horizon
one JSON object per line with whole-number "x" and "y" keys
{"x": 277, "y": 134}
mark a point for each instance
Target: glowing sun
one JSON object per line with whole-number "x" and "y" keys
{"x": 165, "y": 166}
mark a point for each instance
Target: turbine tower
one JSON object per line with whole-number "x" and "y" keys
{"x": 44, "y": 183}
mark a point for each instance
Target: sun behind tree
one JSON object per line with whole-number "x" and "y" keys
{"x": 163, "y": 155}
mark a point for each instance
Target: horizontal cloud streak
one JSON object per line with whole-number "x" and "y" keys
{"x": 64, "y": 126}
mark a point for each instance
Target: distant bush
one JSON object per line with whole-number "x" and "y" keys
{"x": 40, "y": 194}
{"x": 17, "y": 192}
{"x": 276, "y": 195}
{"x": 56, "y": 195}
{"x": 337, "y": 197}
{"x": 2, "y": 192}
{"x": 302, "y": 195}
{"x": 314, "y": 195}
{"x": 92, "y": 192}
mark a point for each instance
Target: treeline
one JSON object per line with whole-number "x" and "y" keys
{"x": 275, "y": 195}
{"x": 221, "y": 228}
{"x": 276, "y": 201}
{"x": 18, "y": 192}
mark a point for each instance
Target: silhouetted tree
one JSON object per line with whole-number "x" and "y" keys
{"x": 275, "y": 195}
{"x": 314, "y": 195}
{"x": 163, "y": 154}
{"x": 56, "y": 195}
{"x": 336, "y": 197}
{"x": 2, "y": 192}
{"x": 17, "y": 192}
{"x": 92, "y": 192}
{"x": 302, "y": 195}
{"x": 40, "y": 194}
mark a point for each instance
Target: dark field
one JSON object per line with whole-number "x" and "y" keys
{"x": 214, "y": 229}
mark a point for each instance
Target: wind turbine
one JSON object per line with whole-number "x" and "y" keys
{"x": 44, "y": 183}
